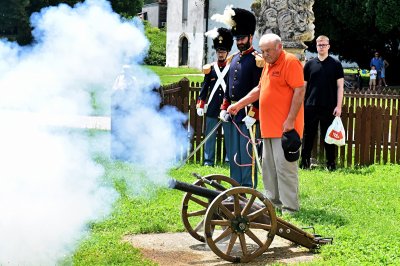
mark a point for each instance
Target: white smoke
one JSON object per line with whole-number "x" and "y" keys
{"x": 50, "y": 186}
{"x": 144, "y": 135}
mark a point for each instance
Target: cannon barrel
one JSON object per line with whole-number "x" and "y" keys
{"x": 197, "y": 190}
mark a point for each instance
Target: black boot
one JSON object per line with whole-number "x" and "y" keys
{"x": 331, "y": 166}
{"x": 305, "y": 163}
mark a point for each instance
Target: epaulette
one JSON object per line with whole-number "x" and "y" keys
{"x": 229, "y": 58}
{"x": 207, "y": 68}
{"x": 260, "y": 62}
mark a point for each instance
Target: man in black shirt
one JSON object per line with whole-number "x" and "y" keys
{"x": 324, "y": 79}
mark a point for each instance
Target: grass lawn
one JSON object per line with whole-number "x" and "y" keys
{"x": 360, "y": 209}
{"x": 170, "y": 75}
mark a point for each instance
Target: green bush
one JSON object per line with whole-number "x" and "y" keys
{"x": 157, "y": 38}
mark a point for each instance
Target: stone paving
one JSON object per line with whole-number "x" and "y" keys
{"x": 71, "y": 121}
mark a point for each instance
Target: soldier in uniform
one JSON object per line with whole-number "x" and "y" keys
{"x": 214, "y": 86}
{"x": 244, "y": 74}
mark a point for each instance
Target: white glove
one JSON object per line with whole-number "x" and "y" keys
{"x": 224, "y": 115}
{"x": 249, "y": 121}
{"x": 200, "y": 111}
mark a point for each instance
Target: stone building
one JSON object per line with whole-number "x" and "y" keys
{"x": 187, "y": 21}
{"x": 155, "y": 13}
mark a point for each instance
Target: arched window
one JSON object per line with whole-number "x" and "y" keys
{"x": 183, "y": 52}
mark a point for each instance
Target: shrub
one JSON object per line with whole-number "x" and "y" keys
{"x": 157, "y": 38}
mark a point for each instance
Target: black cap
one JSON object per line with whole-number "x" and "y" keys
{"x": 245, "y": 22}
{"x": 224, "y": 40}
{"x": 291, "y": 144}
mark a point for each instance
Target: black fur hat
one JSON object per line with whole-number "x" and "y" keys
{"x": 222, "y": 38}
{"x": 241, "y": 21}
{"x": 245, "y": 22}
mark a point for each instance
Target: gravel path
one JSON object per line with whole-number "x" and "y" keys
{"x": 180, "y": 249}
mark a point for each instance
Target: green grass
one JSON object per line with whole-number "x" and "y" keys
{"x": 167, "y": 75}
{"x": 360, "y": 209}
{"x": 170, "y": 75}
{"x": 364, "y": 72}
{"x": 157, "y": 212}
{"x": 160, "y": 70}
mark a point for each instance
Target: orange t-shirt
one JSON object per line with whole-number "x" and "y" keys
{"x": 278, "y": 82}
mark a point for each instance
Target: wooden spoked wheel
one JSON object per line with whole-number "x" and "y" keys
{"x": 194, "y": 207}
{"x": 238, "y": 228}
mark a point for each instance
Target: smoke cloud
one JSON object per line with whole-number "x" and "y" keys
{"x": 50, "y": 186}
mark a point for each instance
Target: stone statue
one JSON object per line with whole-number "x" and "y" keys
{"x": 292, "y": 20}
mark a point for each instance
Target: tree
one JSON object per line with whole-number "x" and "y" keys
{"x": 357, "y": 28}
{"x": 14, "y": 23}
{"x": 15, "y": 14}
{"x": 127, "y": 8}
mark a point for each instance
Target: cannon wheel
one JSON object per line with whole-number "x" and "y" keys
{"x": 232, "y": 228}
{"x": 194, "y": 207}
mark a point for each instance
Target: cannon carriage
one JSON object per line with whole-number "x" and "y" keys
{"x": 237, "y": 223}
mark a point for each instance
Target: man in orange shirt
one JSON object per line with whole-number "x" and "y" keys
{"x": 281, "y": 95}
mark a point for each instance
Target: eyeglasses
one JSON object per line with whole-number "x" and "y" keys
{"x": 322, "y": 45}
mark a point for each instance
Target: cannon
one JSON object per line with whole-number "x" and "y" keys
{"x": 237, "y": 223}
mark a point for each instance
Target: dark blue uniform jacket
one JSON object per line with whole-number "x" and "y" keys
{"x": 244, "y": 75}
{"x": 210, "y": 79}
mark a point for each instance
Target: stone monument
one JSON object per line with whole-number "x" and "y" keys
{"x": 292, "y": 20}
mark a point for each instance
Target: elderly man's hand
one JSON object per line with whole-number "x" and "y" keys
{"x": 288, "y": 125}
{"x": 233, "y": 109}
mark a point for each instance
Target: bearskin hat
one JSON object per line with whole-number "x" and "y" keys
{"x": 222, "y": 38}
{"x": 241, "y": 21}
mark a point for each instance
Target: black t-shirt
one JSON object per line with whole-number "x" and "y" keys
{"x": 321, "y": 78}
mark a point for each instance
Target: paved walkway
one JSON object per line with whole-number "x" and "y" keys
{"x": 180, "y": 249}
{"x": 72, "y": 121}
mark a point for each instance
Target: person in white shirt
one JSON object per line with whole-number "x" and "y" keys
{"x": 372, "y": 77}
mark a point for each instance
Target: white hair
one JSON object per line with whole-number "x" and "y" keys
{"x": 270, "y": 37}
